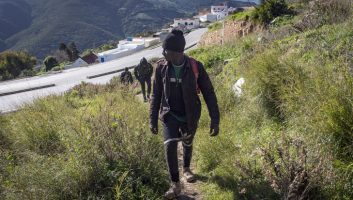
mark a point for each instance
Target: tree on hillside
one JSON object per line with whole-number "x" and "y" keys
{"x": 14, "y": 64}
{"x": 75, "y": 53}
{"x": 63, "y": 50}
{"x": 62, "y": 47}
{"x": 269, "y": 10}
{"x": 61, "y": 56}
{"x": 50, "y": 62}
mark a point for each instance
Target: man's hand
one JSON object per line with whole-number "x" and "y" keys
{"x": 154, "y": 130}
{"x": 214, "y": 130}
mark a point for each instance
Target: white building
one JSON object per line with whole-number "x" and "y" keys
{"x": 130, "y": 42}
{"x": 121, "y": 51}
{"x": 220, "y": 11}
{"x": 208, "y": 18}
{"x": 127, "y": 47}
{"x": 187, "y": 23}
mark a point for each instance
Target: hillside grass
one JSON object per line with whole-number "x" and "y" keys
{"x": 86, "y": 144}
{"x": 290, "y": 133}
{"x": 215, "y": 26}
{"x": 243, "y": 15}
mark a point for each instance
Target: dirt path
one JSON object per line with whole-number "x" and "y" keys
{"x": 190, "y": 191}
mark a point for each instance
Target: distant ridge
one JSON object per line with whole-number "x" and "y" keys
{"x": 39, "y": 26}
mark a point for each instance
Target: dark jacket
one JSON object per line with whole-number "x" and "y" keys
{"x": 161, "y": 90}
{"x": 126, "y": 77}
{"x": 143, "y": 71}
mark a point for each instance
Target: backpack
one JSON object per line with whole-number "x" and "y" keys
{"x": 195, "y": 69}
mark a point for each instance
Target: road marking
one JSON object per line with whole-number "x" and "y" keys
{"x": 108, "y": 73}
{"x": 26, "y": 90}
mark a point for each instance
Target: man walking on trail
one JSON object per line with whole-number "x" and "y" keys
{"x": 126, "y": 77}
{"x": 143, "y": 73}
{"x": 177, "y": 82}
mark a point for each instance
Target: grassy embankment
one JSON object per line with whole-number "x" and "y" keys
{"x": 91, "y": 143}
{"x": 290, "y": 134}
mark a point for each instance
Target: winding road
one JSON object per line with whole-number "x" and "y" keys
{"x": 58, "y": 83}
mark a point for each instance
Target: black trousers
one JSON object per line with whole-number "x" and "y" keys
{"x": 142, "y": 81}
{"x": 175, "y": 131}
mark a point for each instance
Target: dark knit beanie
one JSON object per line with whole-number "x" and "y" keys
{"x": 175, "y": 41}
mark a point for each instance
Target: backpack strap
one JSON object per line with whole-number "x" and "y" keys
{"x": 195, "y": 69}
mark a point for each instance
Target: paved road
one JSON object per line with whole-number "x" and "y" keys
{"x": 67, "y": 79}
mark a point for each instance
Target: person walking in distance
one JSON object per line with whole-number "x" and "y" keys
{"x": 178, "y": 80}
{"x": 143, "y": 72}
{"x": 126, "y": 77}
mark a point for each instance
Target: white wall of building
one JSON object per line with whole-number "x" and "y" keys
{"x": 220, "y": 11}
{"x": 123, "y": 50}
{"x": 127, "y": 47}
{"x": 147, "y": 42}
{"x": 208, "y": 18}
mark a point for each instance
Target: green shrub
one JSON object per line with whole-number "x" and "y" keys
{"x": 297, "y": 86}
{"x": 323, "y": 12}
{"x": 49, "y": 63}
{"x": 12, "y": 64}
{"x": 106, "y": 47}
{"x": 215, "y": 26}
{"x": 74, "y": 51}
{"x": 58, "y": 68}
{"x": 333, "y": 11}
{"x": 340, "y": 111}
{"x": 36, "y": 133}
{"x": 86, "y": 144}
{"x": 286, "y": 164}
{"x": 26, "y": 73}
{"x": 213, "y": 57}
{"x": 269, "y": 10}
{"x": 275, "y": 79}
{"x": 243, "y": 15}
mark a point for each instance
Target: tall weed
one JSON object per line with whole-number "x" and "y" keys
{"x": 84, "y": 144}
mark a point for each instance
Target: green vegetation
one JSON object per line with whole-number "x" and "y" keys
{"x": 243, "y": 15}
{"x": 290, "y": 133}
{"x": 215, "y": 26}
{"x": 333, "y": 11}
{"x": 269, "y": 10}
{"x": 49, "y": 63}
{"x": 67, "y": 53}
{"x": 16, "y": 64}
{"x": 74, "y": 51}
{"x": 104, "y": 47}
{"x": 86, "y": 144}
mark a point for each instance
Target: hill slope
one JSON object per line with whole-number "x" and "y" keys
{"x": 40, "y": 25}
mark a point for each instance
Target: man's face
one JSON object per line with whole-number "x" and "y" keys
{"x": 168, "y": 55}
